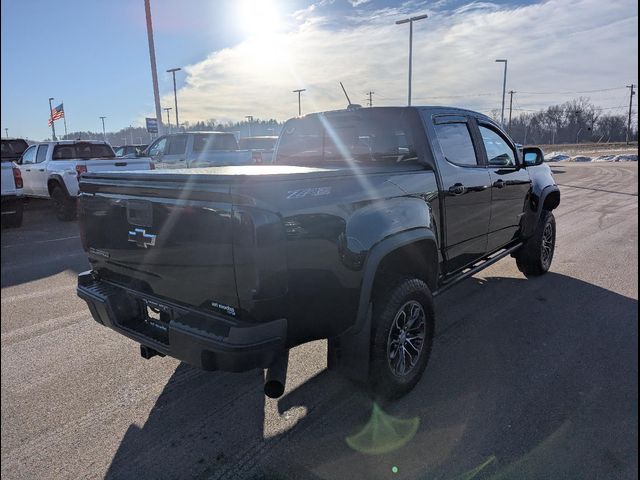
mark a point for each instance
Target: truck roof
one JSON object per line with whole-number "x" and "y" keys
{"x": 200, "y": 132}
{"x": 443, "y": 108}
{"x": 73, "y": 142}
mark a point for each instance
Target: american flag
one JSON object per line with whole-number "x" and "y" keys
{"x": 56, "y": 114}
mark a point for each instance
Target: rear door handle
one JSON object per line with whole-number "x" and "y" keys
{"x": 499, "y": 184}
{"x": 27, "y": 169}
{"x": 457, "y": 189}
{"x": 41, "y": 169}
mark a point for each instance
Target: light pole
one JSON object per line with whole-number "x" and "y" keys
{"x": 53, "y": 127}
{"x": 175, "y": 93}
{"x": 504, "y": 88}
{"x": 299, "y": 91}
{"x": 410, "y": 22}
{"x": 6, "y": 131}
{"x": 168, "y": 109}
{"x": 250, "y": 120}
{"x": 154, "y": 70}
{"x": 104, "y": 133}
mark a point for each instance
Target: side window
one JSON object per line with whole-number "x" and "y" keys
{"x": 499, "y": 152}
{"x": 42, "y": 153}
{"x": 158, "y": 147}
{"x": 177, "y": 145}
{"x": 457, "y": 146}
{"x": 29, "y": 155}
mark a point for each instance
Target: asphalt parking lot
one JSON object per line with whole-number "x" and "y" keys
{"x": 528, "y": 378}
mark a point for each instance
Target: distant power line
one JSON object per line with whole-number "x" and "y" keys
{"x": 574, "y": 92}
{"x": 496, "y": 94}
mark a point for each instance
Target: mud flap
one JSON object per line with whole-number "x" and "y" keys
{"x": 349, "y": 353}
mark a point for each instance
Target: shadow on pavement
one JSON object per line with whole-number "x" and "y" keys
{"x": 528, "y": 379}
{"x": 43, "y": 246}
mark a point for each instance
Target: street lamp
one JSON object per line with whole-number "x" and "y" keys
{"x": 53, "y": 127}
{"x": 175, "y": 94}
{"x": 504, "y": 88}
{"x": 299, "y": 91}
{"x": 410, "y": 22}
{"x": 152, "y": 61}
{"x": 168, "y": 109}
{"x": 104, "y": 133}
{"x": 250, "y": 120}
{"x": 6, "y": 130}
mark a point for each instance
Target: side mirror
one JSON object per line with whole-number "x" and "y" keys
{"x": 532, "y": 156}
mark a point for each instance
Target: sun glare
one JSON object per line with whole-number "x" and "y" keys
{"x": 259, "y": 17}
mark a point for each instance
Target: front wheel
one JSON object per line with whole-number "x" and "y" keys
{"x": 536, "y": 255}
{"x": 402, "y": 334}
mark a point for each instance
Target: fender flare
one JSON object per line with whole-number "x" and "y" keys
{"x": 548, "y": 190}
{"x": 58, "y": 179}
{"x": 349, "y": 352}
{"x": 375, "y": 256}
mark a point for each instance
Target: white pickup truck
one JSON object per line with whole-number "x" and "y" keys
{"x": 12, "y": 148}
{"x": 52, "y": 169}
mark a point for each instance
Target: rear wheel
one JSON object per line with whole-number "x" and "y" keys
{"x": 64, "y": 206}
{"x": 401, "y": 338}
{"x": 536, "y": 255}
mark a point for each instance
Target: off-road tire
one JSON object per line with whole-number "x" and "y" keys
{"x": 384, "y": 379}
{"x": 535, "y": 256}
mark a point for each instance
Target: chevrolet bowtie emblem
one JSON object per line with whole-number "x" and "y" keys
{"x": 141, "y": 238}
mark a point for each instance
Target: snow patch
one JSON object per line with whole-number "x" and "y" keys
{"x": 564, "y": 157}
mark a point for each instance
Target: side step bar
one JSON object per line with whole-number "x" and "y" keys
{"x": 475, "y": 269}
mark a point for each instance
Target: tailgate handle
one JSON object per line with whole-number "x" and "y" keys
{"x": 121, "y": 164}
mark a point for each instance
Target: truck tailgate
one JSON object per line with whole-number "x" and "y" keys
{"x": 168, "y": 240}
{"x": 117, "y": 164}
{"x": 8, "y": 183}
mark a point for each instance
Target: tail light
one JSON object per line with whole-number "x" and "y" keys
{"x": 256, "y": 157}
{"x": 152, "y": 166}
{"x": 17, "y": 177}
{"x": 80, "y": 169}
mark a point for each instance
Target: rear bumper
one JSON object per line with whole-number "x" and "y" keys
{"x": 206, "y": 341}
{"x": 11, "y": 204}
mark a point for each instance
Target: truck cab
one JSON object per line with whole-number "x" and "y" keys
{"x": 197, "y": 149}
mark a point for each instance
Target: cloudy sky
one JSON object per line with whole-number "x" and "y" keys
{"x": 245, "y": 57}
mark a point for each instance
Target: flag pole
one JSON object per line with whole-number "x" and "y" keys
{"x": 64, "y": 117}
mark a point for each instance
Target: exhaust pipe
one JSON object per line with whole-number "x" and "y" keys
{"x": 276, "y": 377}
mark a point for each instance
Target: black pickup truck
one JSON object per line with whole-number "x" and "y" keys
{"x": 363, "y": 217}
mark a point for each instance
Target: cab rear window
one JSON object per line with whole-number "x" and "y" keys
{"x": 213, "y": 142}
{"x": 82, "y": 151}
{"x": 12, "y": 149}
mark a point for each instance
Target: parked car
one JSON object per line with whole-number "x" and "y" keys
{"x": 197, "y": 149}
{"x": 366, "y": 216}
{"x": 12, "y": 196}
{"x": 261, "y": 147}
{"x": 52, "y": 169}
{"x": 129, "y": 150}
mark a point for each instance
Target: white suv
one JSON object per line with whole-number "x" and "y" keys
{"x": 52, "y": 170}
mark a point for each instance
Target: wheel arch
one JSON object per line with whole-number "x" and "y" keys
{"x": 349, "y": 353}
{"x": 54, "y": 180}
{"x": 413, "y": 252}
